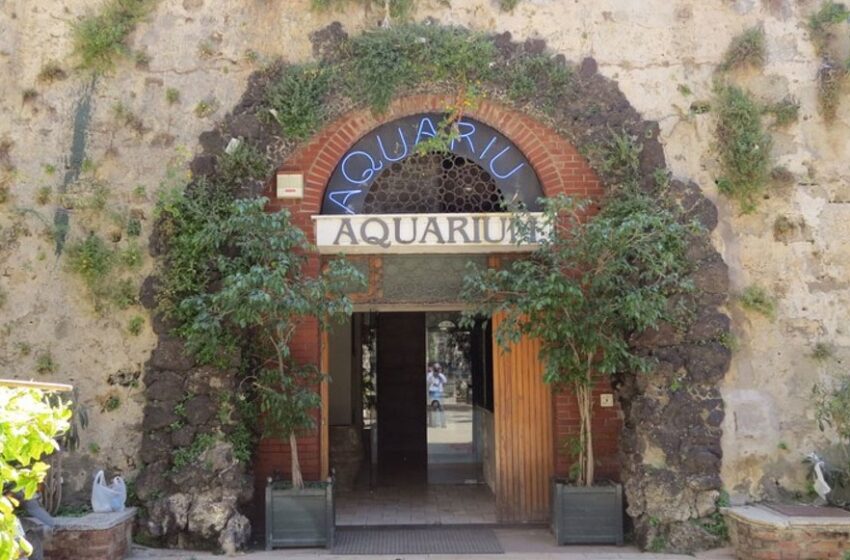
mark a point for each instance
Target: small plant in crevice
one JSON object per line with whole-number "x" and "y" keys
{"x": 743, "y": 147}
{"x": 784, "y": 228}
{"x": 51, "y": 72}
{"x": 124, "y": 117}
{"x": 684, "y": 89}
{"x": 45, "y": 364}
{"x": 172, "y": 96}
{"x": 3, "y": 298}
{"x": 833, "y": 71}
{"x": 29, "y": 95}
{"x": 821, "y": 22}
{"x": 134, "y": 227}
{"x": 135, "y": 325}
{"x": 94, "y": 448}
{"x": 398, "y": 9}
{"x": 784, "y": 112}
{"x": 508, "y": 5}
{"x": 295, "y": 100}
{"x": 100, "y": 38}
{"x": 831, "y": 79}
{"x": 619, "y": 158}
{"x": 42, "y": 195}
{"x": 727, "y": 339}
{"x": 110, "y": 404}
{"x": 206, "y": 107}
{"x": 747, "y": 50}
{"x": 755, "y": 298}
{"x": 821, "y": 352}
{"x": 185, "y": 456}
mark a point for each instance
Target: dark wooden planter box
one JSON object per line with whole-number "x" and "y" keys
{"x": 299, "y": 518}
{"x": 582, "y": 515}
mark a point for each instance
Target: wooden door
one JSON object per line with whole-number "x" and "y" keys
{"x": 402, "y": 430}
{"x": 525, "y": 460}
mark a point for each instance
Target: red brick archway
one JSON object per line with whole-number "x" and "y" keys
{"x": 561, "y": 170}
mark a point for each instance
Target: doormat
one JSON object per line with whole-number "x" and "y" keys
{"x": 424, "y": 540}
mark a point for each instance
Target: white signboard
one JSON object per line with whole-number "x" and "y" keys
{"x": 421, "y": 233}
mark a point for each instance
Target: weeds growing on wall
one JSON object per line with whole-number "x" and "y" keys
{"x": 296, "y": 100}
{"x": 101, "y": 267}
{"x": 381, "y": 64}
{"x": 100, "y": 38}
{"x": 784, "y": 112}
{"x": 398, "y": 9}
{"x": 833, "y": 72}
{"x": 747, "y": 50}
{"x": 822, "y": 22}
{"x": 743, "y": 146}
{"x": 756, "y": 298}
{"x": 530, "y": 75}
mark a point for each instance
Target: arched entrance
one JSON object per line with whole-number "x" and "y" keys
{"x": 414, "y": 219}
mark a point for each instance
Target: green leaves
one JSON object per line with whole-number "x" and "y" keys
{"x": 27, "y": 431}
{"x": 296, "y": 100}
{"x": 589, "y": 287}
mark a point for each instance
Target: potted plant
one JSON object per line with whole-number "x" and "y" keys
{"x": 265, "y": 292}
{"x": 590, "y": 285}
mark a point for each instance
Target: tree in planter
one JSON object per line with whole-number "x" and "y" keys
{"x": 264, "y": 293}
{"x": 832, "y": 411}
{"x": 592, "y": 284}
{"x": 28, "y": 426}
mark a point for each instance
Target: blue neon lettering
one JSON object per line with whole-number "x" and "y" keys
{"x": 368, "y": 174}
{"x": 493, "y": 169}
{"x": 422, "y": 131}
{"x": 487, "y": 149}
{"x": 403, "y": 143}
{"x": 468, "y": 136}
{"x": 344, "y": 202}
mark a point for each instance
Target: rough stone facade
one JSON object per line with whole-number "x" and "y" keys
{"x": 641, "y": 54}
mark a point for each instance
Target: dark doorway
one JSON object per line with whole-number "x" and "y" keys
{"x": 402, "y": 443}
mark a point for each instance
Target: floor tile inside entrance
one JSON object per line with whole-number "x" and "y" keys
{"x": 423, "y": 505}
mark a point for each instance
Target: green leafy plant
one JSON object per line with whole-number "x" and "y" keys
{"x": 822, "y": 21}
{"x": 399, "y": 9}
{"x": 135, "y": 325}
{"x": 99, "y": 266}
{"x": 295, "y": 100}
{"x": 172, "y": 96}
{"x": 45, "y": 364}
{"x": 832, "y": 410}
{"x": 100, "y": 38}
{"x": 590, "y": 286}
{"x": 185, "y": 456}
{"x": 242, "y": 163}
{"x": 784, "y": 112}
{"x": 746, "y": 50}
{"x": 529, "y": 76}
{"x": 755, "y": 298}
{"x": 379, "y": 64}
{"x": 111, "y": 403}
{"x": 265, "y": 292}
{"x": 206, "y": 107}
{"x": 743, "y": 147}
{"x": 28, "y": 431}
{"x": 508, "y": 5}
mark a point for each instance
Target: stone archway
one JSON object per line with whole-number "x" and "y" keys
{"x": 671, "y": 453}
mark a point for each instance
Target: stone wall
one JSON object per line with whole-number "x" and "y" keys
{"x": 56, "y": 131}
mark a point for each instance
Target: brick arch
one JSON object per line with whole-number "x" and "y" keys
{"x": 560, "y": 168}
{"x": 558, "y": 164}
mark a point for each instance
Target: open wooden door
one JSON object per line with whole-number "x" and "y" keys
{"x": 525, "y": 459}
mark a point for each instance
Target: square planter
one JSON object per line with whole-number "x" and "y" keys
{"x": 587, "y": 515}
{"x": 299, "y": 518}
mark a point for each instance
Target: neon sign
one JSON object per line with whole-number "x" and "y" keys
{"x": 396, "y": 141}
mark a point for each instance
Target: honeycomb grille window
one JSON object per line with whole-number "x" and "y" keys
{"x": 433, "y": 183}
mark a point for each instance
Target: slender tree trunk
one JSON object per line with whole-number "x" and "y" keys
{"x": 297, "y": 478}
{"x": 588, "y": 417}
{"x": 582, "y": 436}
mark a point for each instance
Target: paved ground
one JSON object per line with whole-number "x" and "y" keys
{"x": 428, "y": 505}
{"x": 519, "y": 544}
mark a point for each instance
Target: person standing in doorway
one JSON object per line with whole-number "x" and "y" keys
{"x": 436, "y": 381}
